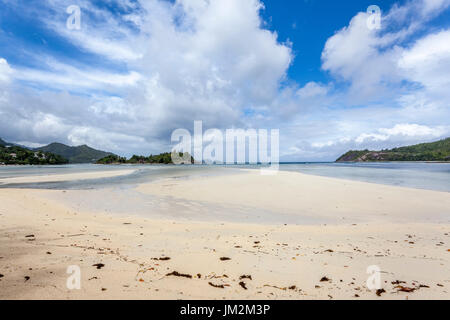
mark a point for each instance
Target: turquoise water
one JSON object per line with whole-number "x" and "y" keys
{"x": 432, "y": 176}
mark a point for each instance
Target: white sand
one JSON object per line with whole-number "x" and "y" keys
{"x": 313, "y": 196}
{"x": 66, "y": 177}
{"x": 392, "y": 234}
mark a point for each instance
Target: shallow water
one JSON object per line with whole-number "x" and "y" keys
{"x": 431, "y": 176}
{"x": 117, "y": 195}
{"x": 419, "y": 175}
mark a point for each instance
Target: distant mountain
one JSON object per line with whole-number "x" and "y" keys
{"x": 434, "y": 151}
{"x": 3, "y": 142}
{"x": 80, "y": 154}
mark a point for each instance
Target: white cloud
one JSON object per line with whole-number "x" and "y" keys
{"x": 376, "y": 63}
{"x": 5, "y": 79}
{"x": 103, "y": 139}
{"x": 311, "y": 90}
{"x": 355, "y": 55}
{"x": 404, "y": 131}
{"x": 75, "y": 78}
{"x": 5, "y": 71}
{"x": 428, "y": 61}
{"x": 187, "y": 60}
{"x": 101, "y": 32}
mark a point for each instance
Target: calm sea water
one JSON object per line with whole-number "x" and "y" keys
{"x": 432, "y": 176}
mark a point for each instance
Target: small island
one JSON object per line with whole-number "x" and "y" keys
{"x": 438, "y": 151}
{"x": 163, "y": 158}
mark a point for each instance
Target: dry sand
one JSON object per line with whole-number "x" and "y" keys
{"x": 405, "y": 232}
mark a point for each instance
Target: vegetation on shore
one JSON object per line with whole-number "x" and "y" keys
{"x": 15, "y": 155}
{"x": 163, "y": 158}
{"x": 434, "y": 151}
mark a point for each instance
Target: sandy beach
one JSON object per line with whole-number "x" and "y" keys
{"x": 334, "y": 230}
{"x": 66, "y": 177}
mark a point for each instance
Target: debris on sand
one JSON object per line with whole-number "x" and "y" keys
{"x": 199, "y": 275}
{"x": 161, "y": 259}
{"x": 380, "y": 292}
{"x": 214, "y": 276}
{"x": 224, "y": 259}
{"x": 292, "y": 288}
{"x": 220, "y": 286}
{"x": 405, "y": 289}
{"x": 30, "y": 236}
{"x": 242, "y": 284}
{"x": 329, "y": 250}
{"x": 98, "y": 265}
{"x": 1, "y": 276}
{"x": 245, "y": 277}
{"x": 324, "y": 279}
{"x": 177, "y": 274}
{"x": 269, "y": 286}
{"x": 26, "y": 278}
{"x": 397, "y": 282}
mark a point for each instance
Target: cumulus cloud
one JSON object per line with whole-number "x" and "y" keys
{"x": 377, "y": 62}
{"x": 187, "y": 60}
{"x": 428, "y": 61}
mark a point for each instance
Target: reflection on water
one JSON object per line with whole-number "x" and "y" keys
{"x": 432, "y": 176}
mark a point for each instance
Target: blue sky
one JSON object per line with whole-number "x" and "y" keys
{"x": 137, "y": 70}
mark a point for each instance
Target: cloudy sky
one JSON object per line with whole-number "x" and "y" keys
{"x": 138, "y": 69}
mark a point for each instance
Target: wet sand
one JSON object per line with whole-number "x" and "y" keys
{"x": 66, "y": 177}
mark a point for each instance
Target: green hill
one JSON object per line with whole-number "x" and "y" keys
{"x": 15, "y": 155}
{"x": 434, "y": 151}
{"x": 80, "y": 154}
